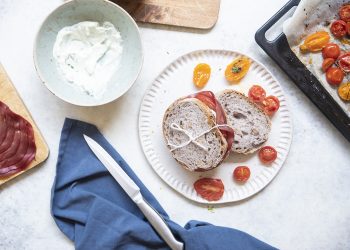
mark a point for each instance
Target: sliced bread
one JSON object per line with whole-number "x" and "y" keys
{"x": 250, "y": 124}
{"x": 194, "y": 117}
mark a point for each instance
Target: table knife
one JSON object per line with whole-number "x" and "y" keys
{"x": 134, "y": 193}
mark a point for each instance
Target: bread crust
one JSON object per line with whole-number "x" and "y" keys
{"x": 211, "y": 120}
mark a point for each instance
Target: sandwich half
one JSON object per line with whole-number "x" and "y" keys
{"x": 250, "y": 123}
{"x": 196, "y": 132}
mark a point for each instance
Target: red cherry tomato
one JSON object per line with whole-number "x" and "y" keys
{"x": 241, "y": 173}
{"x": 327, "y": 63}
{"x": 271, "y": 104}
{"x": 338, "y": 28}
{"x": 334, "y": 76}
{"x": 267, "y": 154}
{"x": 344, "y": 13}
{"x": 256, "y": 93}
{"x": 331, "y": 50}
{"x": 344, "y": 62}
{"x": 209, "y": 188}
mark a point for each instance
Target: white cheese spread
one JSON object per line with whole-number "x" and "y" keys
{"x": 88, "y": 54}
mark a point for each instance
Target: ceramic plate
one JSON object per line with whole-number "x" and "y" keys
{"x": 176, "y": 81}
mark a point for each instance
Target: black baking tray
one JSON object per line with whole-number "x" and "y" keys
{"x": 281, "y": 53}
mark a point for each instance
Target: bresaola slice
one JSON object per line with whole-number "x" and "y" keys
{"x": 17, "y": 144}
{"x": 210, "y": 100}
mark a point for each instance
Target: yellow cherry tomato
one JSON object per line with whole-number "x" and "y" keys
{"x": 201, "y": 75}
{"x": 315, "y": 42}
{"x": 237, "y": 69}
{"x": 344, "y": 91}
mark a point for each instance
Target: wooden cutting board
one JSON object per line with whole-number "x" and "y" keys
{"x": 9, "y": 96}
{"x": 201, "y": 14}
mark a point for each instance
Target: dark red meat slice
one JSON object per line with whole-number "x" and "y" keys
{"x": 209, "y": 99}
{"x": 17, "y": 143}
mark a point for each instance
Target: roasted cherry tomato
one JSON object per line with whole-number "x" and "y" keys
{"x": 271, "y": 104}
{"x": 327, "y": 63}
{"x": 338, "y": 28}
{"x": 331, "y": 50}
{"x": 267, "y": 154}
{"x": 334, "y": 76}
{"x": 344, "y": 62}
{"x": 344, "y": 91}
{"x": 256, "y": 94}
{"x": 344, "y": 13}
{"x": 241, "y": 173}
{"x": 201, "y": 75}
{"x": 209, "y": 188}
{"x": 237, "y": 69}
{"x": 315, "y": 42}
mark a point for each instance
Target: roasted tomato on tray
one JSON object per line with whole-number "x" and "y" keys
{"x": 315, "y": 42}
{"x": 344, "y": 13}
{"x": 327, "y": 63}
{"x": 331, "y": 50}
{"x": 334, "y": 76}
{"x": 338, "y": 28}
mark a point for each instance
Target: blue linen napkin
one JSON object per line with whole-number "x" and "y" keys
{"x": 92, "y": 210}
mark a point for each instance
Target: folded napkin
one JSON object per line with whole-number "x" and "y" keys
{"x": 91, "y": 208}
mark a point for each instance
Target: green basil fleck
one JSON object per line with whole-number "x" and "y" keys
{"x": 236, "y": 69}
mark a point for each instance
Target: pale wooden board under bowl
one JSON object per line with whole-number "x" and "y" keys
{"x": 201, "y": 14}
{"x": 9, "y": 96}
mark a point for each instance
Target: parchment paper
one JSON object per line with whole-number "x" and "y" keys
{"x": 309, "y": 17}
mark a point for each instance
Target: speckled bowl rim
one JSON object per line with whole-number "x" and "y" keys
{"x": 42, "y": 78}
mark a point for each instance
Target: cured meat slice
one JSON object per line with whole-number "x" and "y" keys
{"x": 209, "y": 99}
{"x": 17, "y": 142}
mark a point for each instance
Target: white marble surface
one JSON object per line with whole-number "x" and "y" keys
{"x": 305, "y": 207}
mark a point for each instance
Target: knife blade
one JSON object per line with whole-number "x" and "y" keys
{"x": 133, "y": 191}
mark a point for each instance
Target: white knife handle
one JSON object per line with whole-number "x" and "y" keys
{"x": 159, "y": 225}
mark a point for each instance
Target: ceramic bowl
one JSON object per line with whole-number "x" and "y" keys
{"x": 76, "y": 11}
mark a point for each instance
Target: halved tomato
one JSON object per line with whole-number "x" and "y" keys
{"x": 267, "y": 154}
{"x": 209, "y": 188}
{"x": 338, "y": 28}
{"x": 344, "y": 13}
{"x": 201, "y": 75}
{"x": 241, "y": 173}
{"x": 271, "y": 104}
{"x": 237, "y": 69}
{"x": 256, "y": 93}
{"x": 344, "y": 62}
